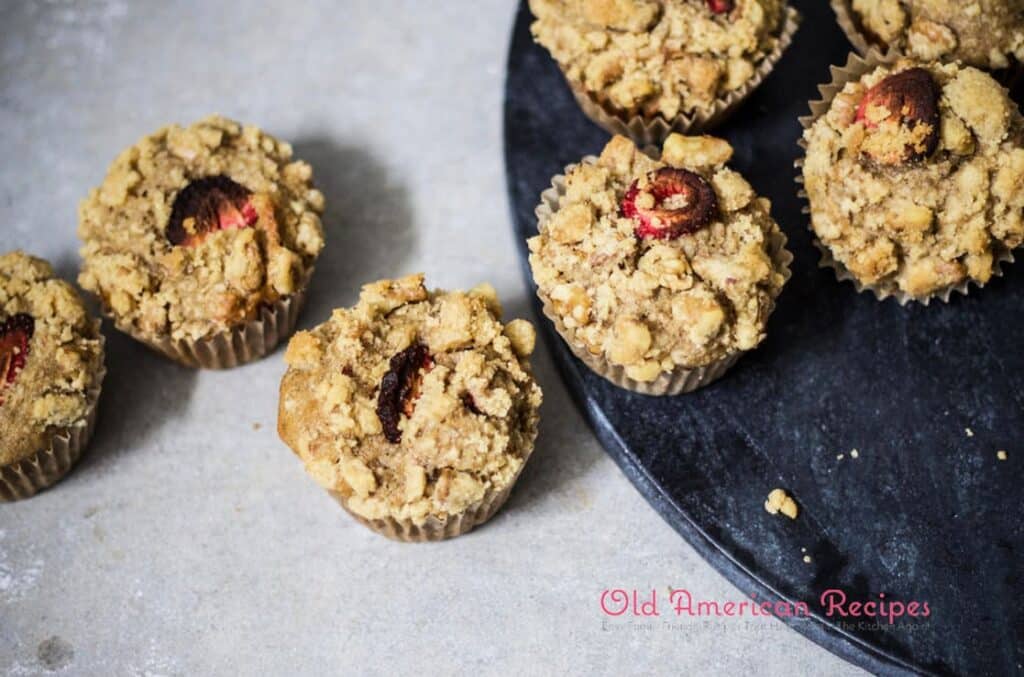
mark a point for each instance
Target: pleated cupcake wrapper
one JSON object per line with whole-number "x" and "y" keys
{"x": 27, "y": 477}
{"x": 681, "y": 379}
{"x": 850, "y": 24}
{"x": 244, "y": 343}
{"x": 864, "y": 44}
{"x": 856, "y": 67}
{"x": 645, "y": 130}
{"x": 435, "y": 528}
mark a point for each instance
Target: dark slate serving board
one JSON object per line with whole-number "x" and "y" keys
{"x": 925, "y": 512}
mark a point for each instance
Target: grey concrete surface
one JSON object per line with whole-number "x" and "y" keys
{"x": 189, "y": 540}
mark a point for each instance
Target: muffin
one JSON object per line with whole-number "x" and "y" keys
{"x": 914, "y": 174}
{"x": 51, "y": 369}
{"x": 416, "y": 410}
{"x": 982, "y": 33}
{"x": 644, "y": 68}
{"x": 200, "y": 241}
{"x": 659, "y": 274}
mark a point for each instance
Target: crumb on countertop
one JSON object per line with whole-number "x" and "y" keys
{"x": 968, "y": 432}
{"x": 1001, "y": 455}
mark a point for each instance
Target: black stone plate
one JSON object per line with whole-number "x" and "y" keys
{"x": 925, "y": 512}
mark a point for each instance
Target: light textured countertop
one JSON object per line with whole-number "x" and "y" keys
{"x": 189, "y": 539}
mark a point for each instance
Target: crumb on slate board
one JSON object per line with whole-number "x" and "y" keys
{"x": 779, "y": 501}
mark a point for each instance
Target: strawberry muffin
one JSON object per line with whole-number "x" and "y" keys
{"x": 982, "y": 33}
{"x": 201, "y": 240}
{"x": 658, "y": 273}
{"x": 51, "y": 369}
{"x": 641, "y": 67}
{"x": 415, "y": 409}
{"x": 915, "y": 177}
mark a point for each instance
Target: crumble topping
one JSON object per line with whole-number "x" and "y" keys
{"x": 54, "y": 362}
{"x": 923, "y": 223}
{"x": 658, "y": 57}
{"x": 779, "y": 501}
{"x": 982, "y": 33}
{"x": 194, "y": 229}
{"x": 651, "y": 304}
{"x": 412, "y": 404}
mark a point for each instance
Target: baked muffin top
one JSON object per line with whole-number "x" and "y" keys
{"x": 194, "y": 229}
{"x": 652, "y": 57}
{"x": 658, "y": 264}
{"x": 412, "y": 404}
{"x": 50, "y": 356}
{"x": 915, "y": 176}
{"x": 982, "y": 33}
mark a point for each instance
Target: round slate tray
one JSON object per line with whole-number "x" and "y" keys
{"x": 926, "y": 512}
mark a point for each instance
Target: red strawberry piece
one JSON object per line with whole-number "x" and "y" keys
{"x": 899, "y": 105}
{"x": 400, "y": 388}
{"x": 683, "y": 202}
{"x": 15, "y": 333}
{"x": 207, "y": 205}
{"x": 721, "y": 6}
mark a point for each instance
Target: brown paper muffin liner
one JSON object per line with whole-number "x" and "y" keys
{"x": 679, "y": 380}
{"x": 863, "y": 42}
{"x": 856, "y": 67}
{"x": 435, "y": 528}
{"x": 27, "y": 477}
{"x": 850, "y": 24}
{"x": 645, "y": 130}
{"x": 244, "y": 343}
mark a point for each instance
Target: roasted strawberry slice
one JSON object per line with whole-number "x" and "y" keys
{"x": 670, "y": 203}
{"x": 721, "y": 6}
{"x": 901, "y": 115}
{"x": 15, "y": 333}
{"x": 400, "y": 388}
{"x": 206, "y": 205}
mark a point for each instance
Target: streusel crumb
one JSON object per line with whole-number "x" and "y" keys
{"x": 51, "y": 356}
{"x": 673, "y": 299}
{"x": 412, "y": 404}
{"x": 919, "y": 215}
{"x": 982, "y": 33}
{"x": 194, "y": 229}
{"x": 779, "y": 501}
{"x": 658, "y": 56}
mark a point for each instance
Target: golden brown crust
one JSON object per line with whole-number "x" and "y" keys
{"x": 652, "y": 305}
{"x": 471, "y": 419}
{"x": 982, "y": 33}
{"x": 657, "y": 57}
{"x": 920, "y": 227}
{"x": 152, "y": 282}
{"x": 65, "y": 356}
